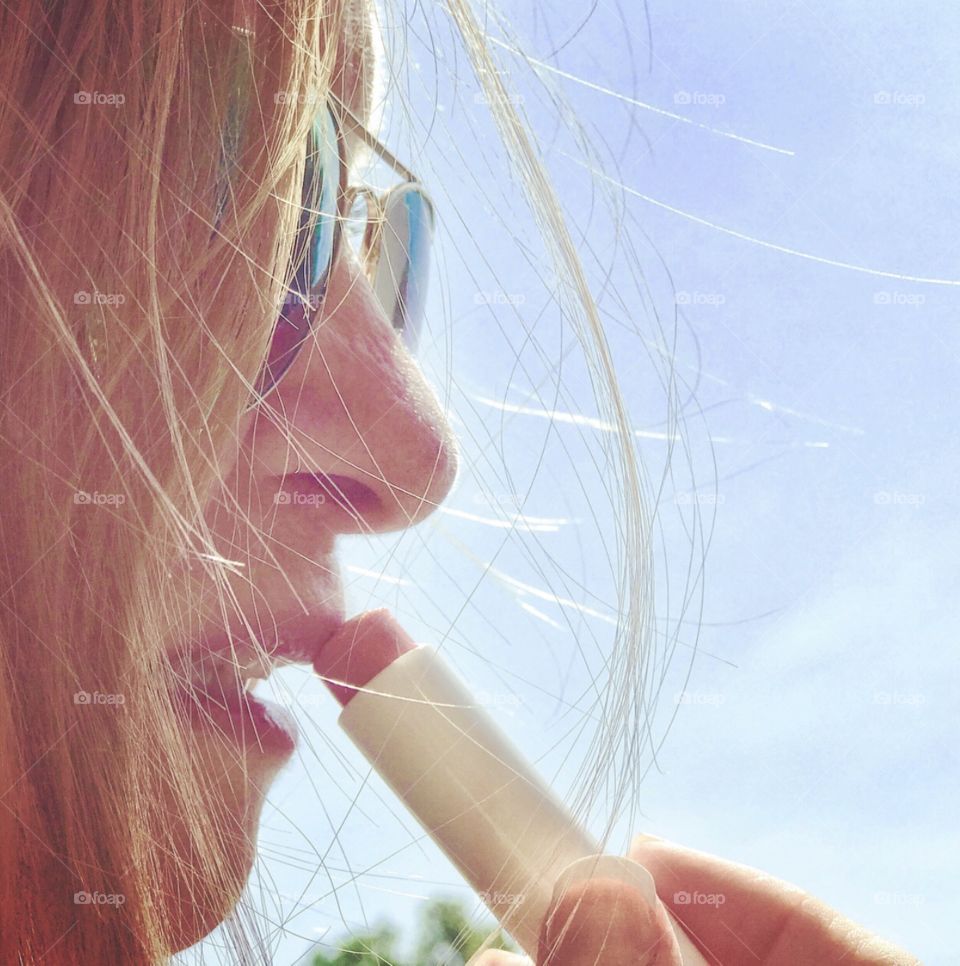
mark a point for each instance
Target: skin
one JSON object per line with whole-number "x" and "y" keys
{"x": 356, "y": 406}
{"x": 351, "y": 394}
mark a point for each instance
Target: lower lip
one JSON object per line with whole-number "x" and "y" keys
{"x": 255, "y": 725}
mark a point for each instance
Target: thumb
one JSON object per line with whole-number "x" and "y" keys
{"x": 605, "y": 910}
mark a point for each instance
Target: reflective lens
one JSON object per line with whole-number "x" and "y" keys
{"x": 312, "y": 253}
{"x": 400, "y": 273}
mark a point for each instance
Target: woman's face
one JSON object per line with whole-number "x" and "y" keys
{"x": 352, "y": 440}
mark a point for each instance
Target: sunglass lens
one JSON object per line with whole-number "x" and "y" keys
{"x": 403, "y": 267}
{"x": 291, "y": 329}
{"x": 312, "y": 253}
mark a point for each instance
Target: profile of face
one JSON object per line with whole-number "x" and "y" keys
{"x": 351, "y": 440}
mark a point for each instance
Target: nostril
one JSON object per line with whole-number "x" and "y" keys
{"x": 345, "y": 492}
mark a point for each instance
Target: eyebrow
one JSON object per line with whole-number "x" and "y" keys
{"x": 372, "y": 142}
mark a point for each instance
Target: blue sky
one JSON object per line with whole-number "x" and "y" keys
{"x": 812, "y": 261}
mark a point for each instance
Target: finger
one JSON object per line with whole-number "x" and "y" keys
{"x": 739, "y": 914}
{"x": 603, "y": 920}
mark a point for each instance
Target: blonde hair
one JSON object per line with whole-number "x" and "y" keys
{"x": 126, "y": 364}
{"x": 612, "y": 758}
{"x": 130, "y": 341}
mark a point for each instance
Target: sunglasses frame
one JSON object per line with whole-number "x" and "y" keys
{"x": 376, "y": 200}
{"x": 376, "y": 219}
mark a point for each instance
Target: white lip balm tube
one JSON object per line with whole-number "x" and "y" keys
{"x": 420, "y": 728}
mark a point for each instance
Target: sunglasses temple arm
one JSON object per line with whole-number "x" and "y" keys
{"x": 372, "y": 142}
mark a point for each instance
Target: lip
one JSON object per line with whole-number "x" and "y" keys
{"x": 256, "y": 725}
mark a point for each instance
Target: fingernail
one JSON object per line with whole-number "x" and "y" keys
{"x": 498, "y": 957}
{"x": 635, "y": 932}
{"x": 608, "y": 867}
{"x": 643, "y": 838}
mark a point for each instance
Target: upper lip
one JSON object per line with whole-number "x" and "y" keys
{"x": 232, "y": 661}
{"x": 289, "y": 631}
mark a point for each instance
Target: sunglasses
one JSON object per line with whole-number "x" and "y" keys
{"x": 392, "y": 232}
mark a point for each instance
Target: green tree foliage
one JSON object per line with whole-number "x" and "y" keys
{"x": 445, "y": 937}
{"x": 375, "y": 948}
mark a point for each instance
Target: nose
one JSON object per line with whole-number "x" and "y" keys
{"x": 354, "y": 417}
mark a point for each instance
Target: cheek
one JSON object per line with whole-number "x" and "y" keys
{"x": 280, "y": 558}
{"x": 240, "y": 526}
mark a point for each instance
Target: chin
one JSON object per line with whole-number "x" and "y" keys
{"x": 236, "y": 787}
{"x": 192, "y": 920}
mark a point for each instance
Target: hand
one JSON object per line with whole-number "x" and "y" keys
{"x": 742, "y": 917}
